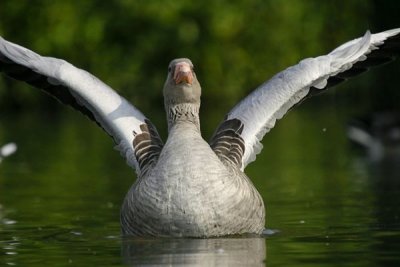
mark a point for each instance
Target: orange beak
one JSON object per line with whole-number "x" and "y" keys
{"x": 183, "y": 73}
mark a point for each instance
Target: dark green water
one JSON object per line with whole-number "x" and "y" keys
{"x": 328, "y": 206}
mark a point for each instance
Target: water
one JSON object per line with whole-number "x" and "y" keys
{"x": 327, "y": 205}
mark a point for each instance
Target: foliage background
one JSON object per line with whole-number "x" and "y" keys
{"x": 235, "y": 46}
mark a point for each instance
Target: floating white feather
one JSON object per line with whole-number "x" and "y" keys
{"x": 7, "y": 150}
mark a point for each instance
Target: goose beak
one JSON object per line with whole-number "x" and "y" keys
{"x": 183, "y": 73}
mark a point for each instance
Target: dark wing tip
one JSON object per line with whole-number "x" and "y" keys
{"x": 386, "y": 52}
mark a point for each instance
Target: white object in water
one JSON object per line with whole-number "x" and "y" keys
{"x": 7, "y": 150}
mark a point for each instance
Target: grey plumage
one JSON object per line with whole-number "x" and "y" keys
{"x": 147, "y": 145}
{"x": 227, "y": 142}
{"x": 189, "y": 191}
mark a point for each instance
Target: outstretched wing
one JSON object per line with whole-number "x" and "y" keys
{"x": 259, "y": 111}
{"x": 89, "y": 95}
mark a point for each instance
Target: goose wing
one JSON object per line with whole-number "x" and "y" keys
{"x": 238, "y": 137}
{"x": 135, "y": 137}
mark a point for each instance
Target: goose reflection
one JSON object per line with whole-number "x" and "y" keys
{"x": 248, "y": 251}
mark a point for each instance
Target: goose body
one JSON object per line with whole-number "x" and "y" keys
{"x": 197, "y": 193}
{"x": 188, "y": 186}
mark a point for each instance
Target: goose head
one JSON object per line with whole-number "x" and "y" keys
{"x": 182, "y": 93}
{"x": 181, "y": 86}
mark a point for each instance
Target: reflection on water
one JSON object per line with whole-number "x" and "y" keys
{"x": 249, "y": 251}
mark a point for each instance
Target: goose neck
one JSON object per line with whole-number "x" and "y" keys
{"x": 185, "y": 112}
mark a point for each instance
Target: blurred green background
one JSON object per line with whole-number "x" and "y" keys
{"x": 235, "y": 46}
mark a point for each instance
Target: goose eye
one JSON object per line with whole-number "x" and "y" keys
{"x": 169, "y": 69}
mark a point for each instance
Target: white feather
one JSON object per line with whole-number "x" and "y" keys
{"x": 7, "y": 150}
{"x": 271, "y": 101}
{"x": 117, "y": 116}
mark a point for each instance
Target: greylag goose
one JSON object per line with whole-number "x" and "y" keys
{"x": 187, "y": 186}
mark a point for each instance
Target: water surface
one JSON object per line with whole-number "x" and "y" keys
{"x": 327, "y": 204}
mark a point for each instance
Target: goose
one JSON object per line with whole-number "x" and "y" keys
{"x": 188, "y": 187}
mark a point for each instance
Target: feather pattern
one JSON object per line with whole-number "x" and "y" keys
{"x": 227, "y": 142}
{"x": 148, "y": 146}
{"x": 80, "y": 90}
{"x": 272, "y": 100}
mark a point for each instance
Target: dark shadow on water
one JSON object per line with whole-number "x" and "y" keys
{"x": 235, "y": 251}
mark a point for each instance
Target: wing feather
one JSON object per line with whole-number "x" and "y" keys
{"x": 271, "y": 101}
{"x": 80, "y": 90}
